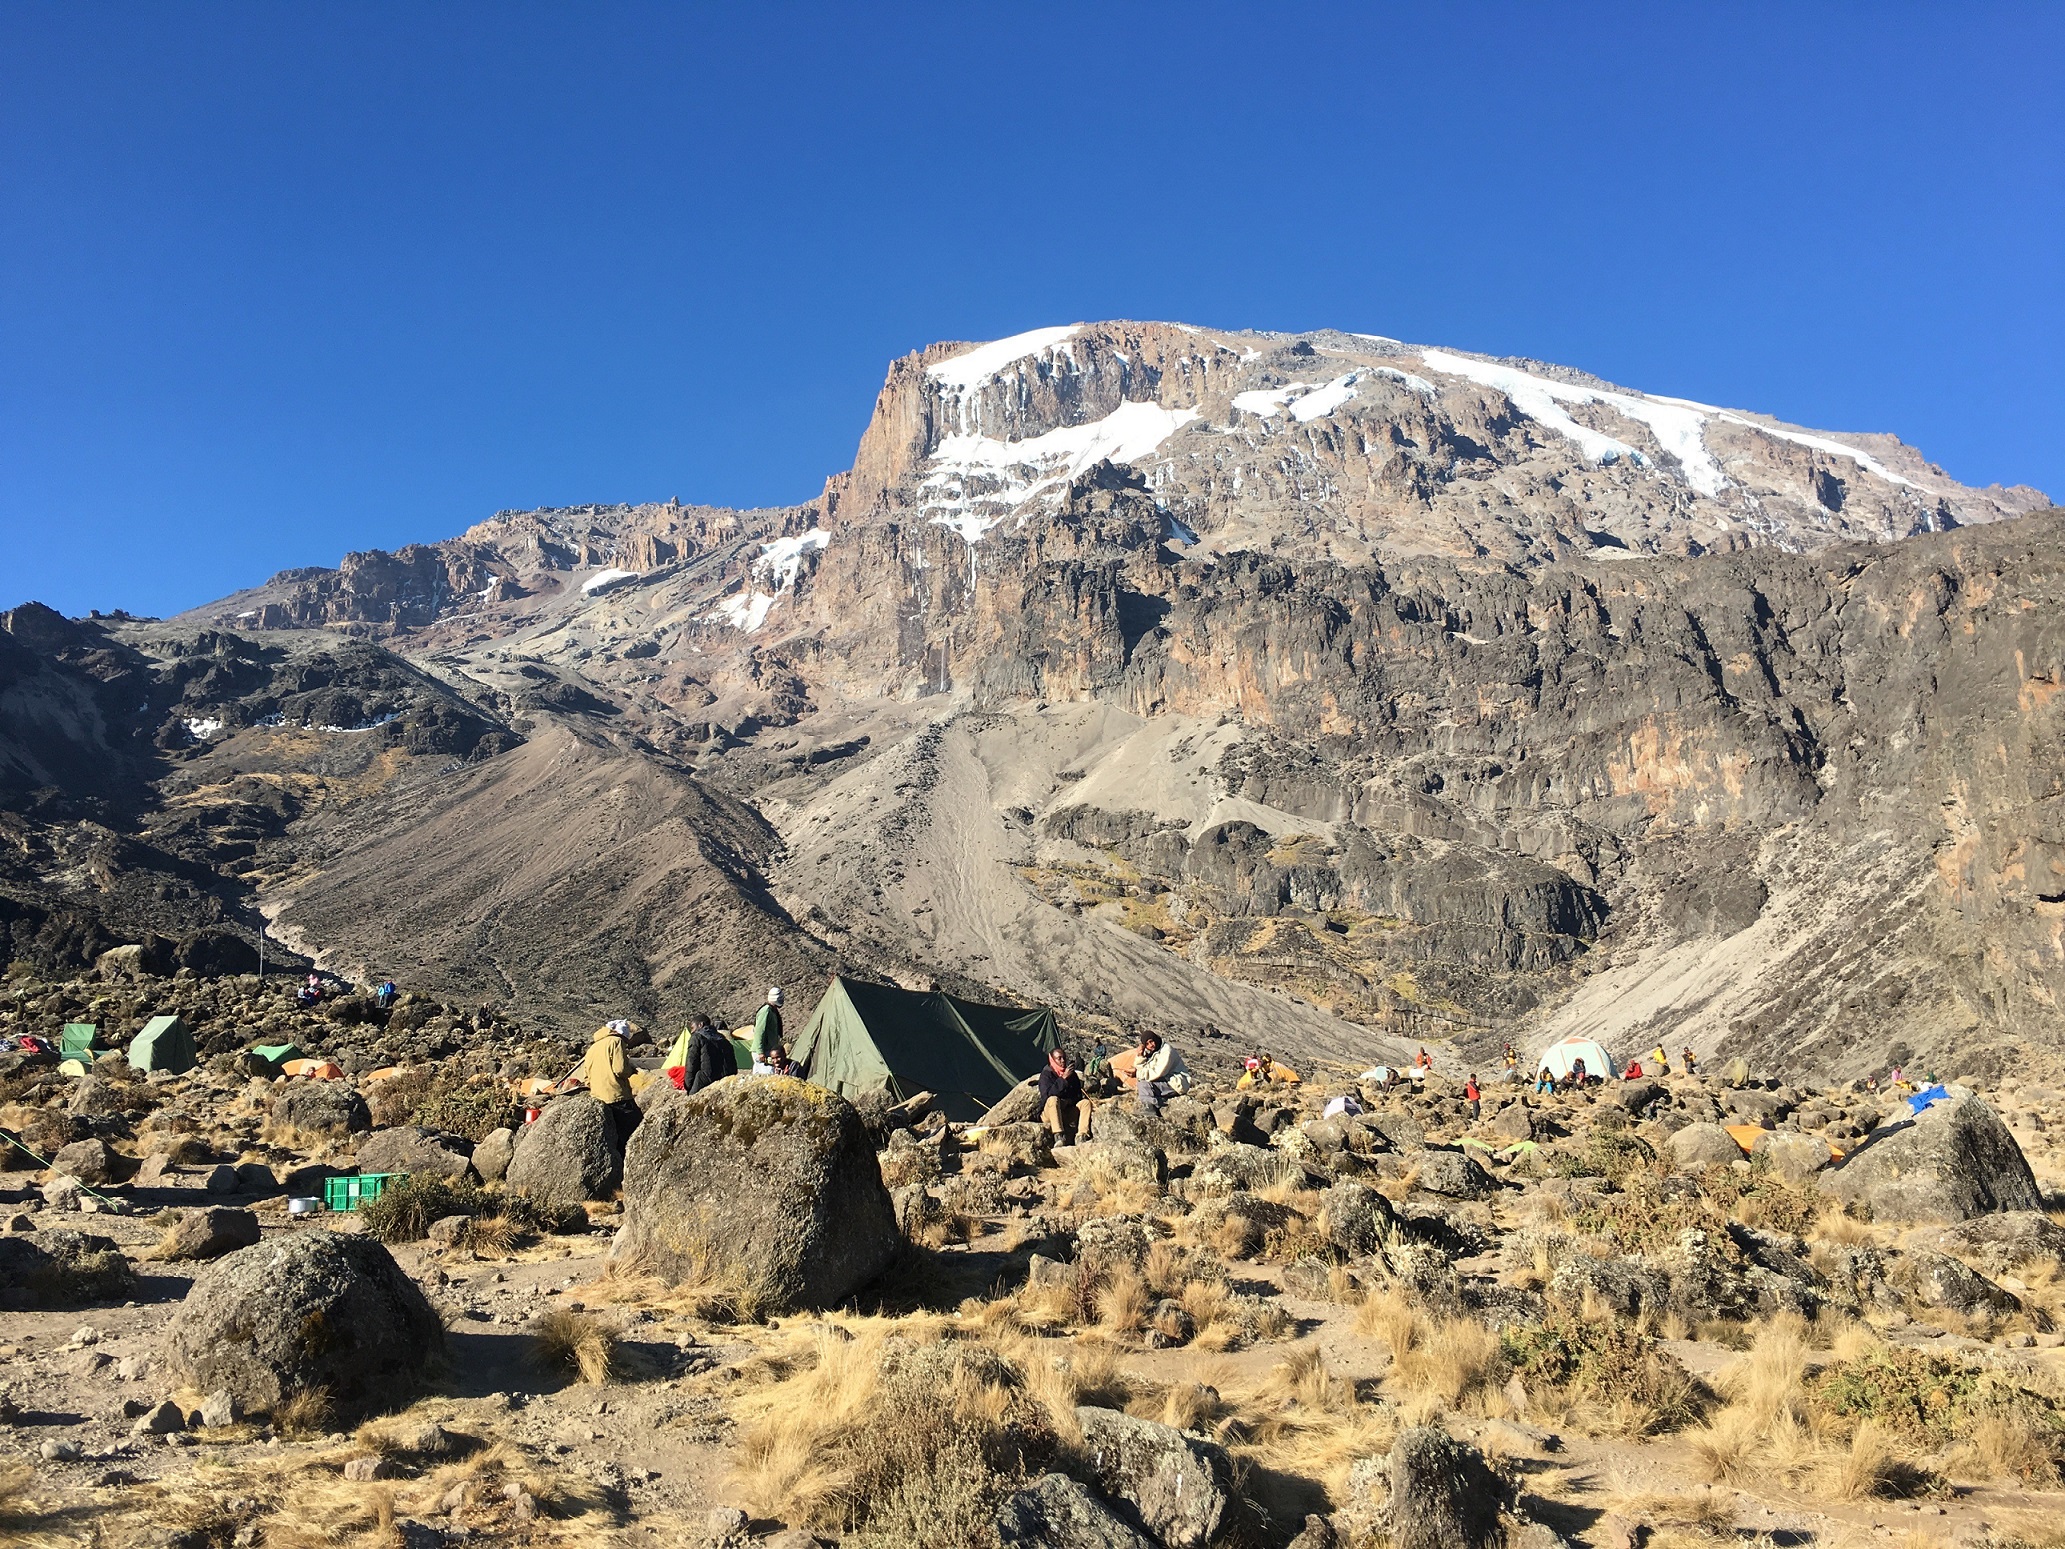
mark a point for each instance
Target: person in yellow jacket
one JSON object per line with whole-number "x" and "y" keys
{"x": 606, "y": 1073}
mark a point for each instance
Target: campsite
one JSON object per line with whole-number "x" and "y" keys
{"x": 886, "y": 1305}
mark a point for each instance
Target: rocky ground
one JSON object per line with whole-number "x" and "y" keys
{"x": 1597, "y": 1318}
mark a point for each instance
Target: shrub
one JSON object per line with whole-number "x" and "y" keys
{"x": 473, "y": 1111}
{"x": 1611, "y": 1154}
{"x": 404, "y": 1212}
{"x": 1606, "y": 1361}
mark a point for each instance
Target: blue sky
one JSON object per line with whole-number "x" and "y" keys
{"x": 279, "y": 281}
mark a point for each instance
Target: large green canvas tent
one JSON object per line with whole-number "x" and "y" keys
{"x": 164, "y": 1044}
{"x": 875, "y": 1037}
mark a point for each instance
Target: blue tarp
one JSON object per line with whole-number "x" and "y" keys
{"x": 1927, "y": 1096}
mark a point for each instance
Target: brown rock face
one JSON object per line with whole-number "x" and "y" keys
{"x": 1302, "y": 691}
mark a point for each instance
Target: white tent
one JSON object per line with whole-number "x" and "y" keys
{"x": 1559, "y": 1057}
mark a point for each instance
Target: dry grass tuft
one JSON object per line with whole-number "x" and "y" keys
{"x": 303, "y": 1413}
{"x": 563, "y": 1340}
{"x": 1443, "y": 1362}
{"x": 1122, "y": 1303}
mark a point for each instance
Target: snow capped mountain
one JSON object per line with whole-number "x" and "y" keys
{"x": 1355, "y": 445}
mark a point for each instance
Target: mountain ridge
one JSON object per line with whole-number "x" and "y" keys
{"x": 1316, "y": 691}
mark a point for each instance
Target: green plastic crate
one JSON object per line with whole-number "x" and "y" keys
{"x": 358, "y": 1189}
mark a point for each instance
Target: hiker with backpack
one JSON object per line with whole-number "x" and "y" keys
{"x": 606, "y": 1072}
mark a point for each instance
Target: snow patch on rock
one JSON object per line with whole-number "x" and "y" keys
{"x": 976, "y": 481}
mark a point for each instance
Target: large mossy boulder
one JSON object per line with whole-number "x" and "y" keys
{"x": 768, "y": 1185}
{"x": 314, "y": 1312}
{"x": 1950, "y": 1162}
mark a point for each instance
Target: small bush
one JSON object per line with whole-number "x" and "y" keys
{"x": 405, "y": 1211}
{"x": 1611, "y": 1154}
{"x": 473, "y": 1111}
{"x": 1605, "y": 1361}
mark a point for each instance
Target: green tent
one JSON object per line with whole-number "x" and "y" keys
{"x": 164, "y": 1044}
{"x": 79, "y": 1040}
{"x": 875, "y": 1037}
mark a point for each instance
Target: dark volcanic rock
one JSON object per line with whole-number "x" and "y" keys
{"x": 316, "y": 1310}
{"x": 1443, "y": 1496}
{"x": 769, "y": 1184}
{"x": 210, "y": 1233}
{"x": 1173, "y": 1485}
{"x": 321, "y": 1107}
{"x": 1951, "y": 1161}
{"x": 410, "y": 1148}
{"x": 1054, "y": 1512}
{"x": 569, "y": 1155}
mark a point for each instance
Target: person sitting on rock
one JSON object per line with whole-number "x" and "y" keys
{"x": 1061, "y": 1097}
{"x": 1545, "y": 1082}
{"x": 710, "y": 1058}
{"x": 1578, "y": 1075}
{"x": 310, "y": 994}
{"x": 1657, "y": 1059}
{"x": 1160, "y": 1071}
{"x": 1689, "y": 1064}
{"x": 1633, "y": 1072}
{"x": 606, "y": 1072}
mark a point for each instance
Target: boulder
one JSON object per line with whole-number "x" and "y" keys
{"x": 1231, "y": 1165}
{"x": 1794, "y": 1157}
{"x": 1703, "y": 1145}
{"x": 98, "y": 1096}
{"x": 1937, "y": 1280}
{"x": 90, "y": 1161}
{"x": 1452, "y": 1175}
{"x": 1055, "y": 1512}
{"x": 1401, "y": 1130}
{"x": 569, "y": 1155}
{"x": 1174, "y": 1486}
{"x": 1515, "y": 1121}
{"x": 491, "y": 1157}
{"x": 321, "y": 1108}
{"x": 412, "y": 1149}
{"x": 1637, "y": 1096}
{"x": 315, "y": 1310}
{"x": 1443, "y": 1494}
{"x": 1121, "y": 1159}
{"x": 1018, "y": 1105}
{"x": 769, "y": 1184}
{"x": 1952, "y": 1161}
{"x": 1356, "y": 1218}
{"x": 62, "y": 1268}
{"x": 2001, "y": 1243}
{"x": 208, "y": 1234}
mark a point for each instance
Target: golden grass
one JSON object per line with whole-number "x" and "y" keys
{"x": 305, "y": 1412}
{"x": 1703, "y": 1512}
{"x": 575, "y": 1343}
{"x": 1439, "y": 1362}
{"x": 1122, "y": 1303}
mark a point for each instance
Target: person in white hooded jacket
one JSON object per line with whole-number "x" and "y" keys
{"x": 1160, "y": 1071}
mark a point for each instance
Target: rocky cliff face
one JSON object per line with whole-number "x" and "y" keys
{"x": 1311, "y": 691}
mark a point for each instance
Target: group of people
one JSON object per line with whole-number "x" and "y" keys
{"x": 700, "y": 1057}
{"x": 313, "y": 992}
{"x": 1152, "y": 1070}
